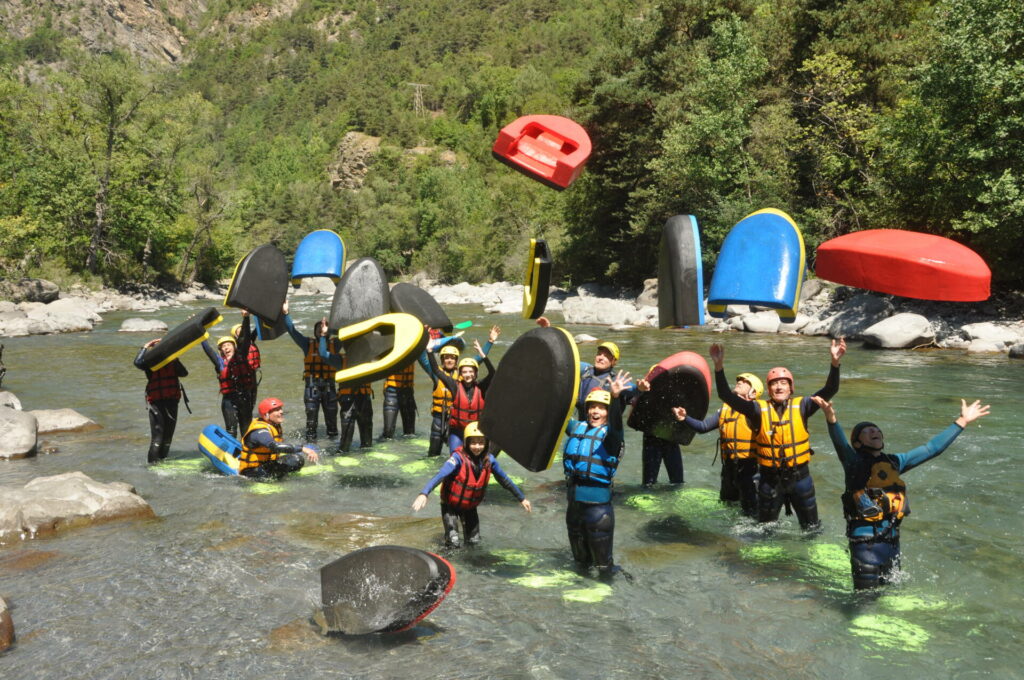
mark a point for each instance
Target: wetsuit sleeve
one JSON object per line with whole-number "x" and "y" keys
{"x": 847, "y": 454}
{"x": 911, "y": 459}
{"x": 831, "y": 388}
{"x": 486, "y": 347}
{"x": 485, "y": 383}
{"x": 330, "y": 357}
{"x": 738, "y": 403}
{"x": 265, "y": 439}
{"x": 448, "y": 381}
{"x": 449, "y": 468}
{"x": 614, "y": 437}
{"x": 215, "y": 359}
{"x": 301, "y": 340}
{"x": 707, "y": 425}
{"x": 138, "y": 359}
{"x": 505, "y": 480}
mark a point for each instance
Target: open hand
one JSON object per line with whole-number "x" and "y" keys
{"x": 717, "y": 352}
{"x": 826, "y": 408}
{"x": 419, "y": 503}
{"x": 837, "y": 350}
{"x": 526, "y": 504}
{"x": 679, "y": 412}
{"x": 971, "y": 412}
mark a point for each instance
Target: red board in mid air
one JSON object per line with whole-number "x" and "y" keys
{"x": 551, "y": 149}
{"x": 905, "y": 263}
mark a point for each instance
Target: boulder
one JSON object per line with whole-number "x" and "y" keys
{"x": 19, "y": 434}
{"x": 648, "y": 298}
{"x": 62, "y": 420}
{"x": 67, "y": 315}
{"x": 316, "y": 285}
{"x": 810, "y": 288}
{"x": 136, "y": 325}
{"x": 985, "y": 347}
{"x": 584, "y": 338}
{"x": 991, "y": 333}
{"x": 29, "y": 290}
{"x": 597, "y": 310}
{"x": 734, "y": 310}
{"x": 796, "y": 325}
{"x": 10, "y": 400}
{"x": 1017, "y": 351}
{"x": 900, "y": 331}
{"x": 513, "y": 306}
{"x": 857, "y": 315}
{"x": 6, "y": 626}
{"x": 761, "y": 322}
{"x": 7, "y": 306}
{"x": 47, "y": 504}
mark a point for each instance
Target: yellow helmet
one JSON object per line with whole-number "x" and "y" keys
{"x": 236, "y": 329}
{"x": 468, "y": 362}
{"x": 473, "y": 430}
{"x": 449, "y": 350}
{"x": 226, "y": 338}
{"x": 600, "y": 397}
{"x": 611, "y": 347}
{"x": 754, "y": 381}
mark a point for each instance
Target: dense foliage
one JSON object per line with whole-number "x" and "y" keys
{"x": 847, "y": 114}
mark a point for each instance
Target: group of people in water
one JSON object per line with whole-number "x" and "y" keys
{"x": 763, "y": 442}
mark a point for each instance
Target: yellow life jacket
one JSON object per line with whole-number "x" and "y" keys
{"x": 254, "y": 456}
{"x": 441, "y": 398}
{"x": 736, "y": 439}
{"x": 402, "y": 380}
{"x": 313, "y": 364}
{"x": 884, "y": 496}
{"x": 783, "y": 440}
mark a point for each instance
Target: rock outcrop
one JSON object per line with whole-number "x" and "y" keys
{"x": 62, "y": 420}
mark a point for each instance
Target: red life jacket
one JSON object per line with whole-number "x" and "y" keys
{"x": 254, "y": 357}
{"x": 163, "y": 384}
{"x": 466, "y": 488}
{"x": 237, "y": 376}
{"x": 466, "y": 410}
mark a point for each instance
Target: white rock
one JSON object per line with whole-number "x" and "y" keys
{"x": 19, "y": 434}
{"x": 761, "y": 322}
{"x": 62, "y": 420}
{"x": 10, "y": 400}
{"x": 991, "y": 333}
{"x": 316, "y": 285}
{"x": 137, "y": 325}
{"x": 796, "y": 325}
{"x": 985, "y": 347}
{"x": 6, "y": 626}
{"x": 595, "y": 310}
{"x": 584, "y": 338}
{"x": 900, "y": 331}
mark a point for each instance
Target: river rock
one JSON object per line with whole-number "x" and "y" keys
{"x": 584, "y": 338}
{"x": 513, "y": 306}
{"x": 858, "y": 314}
{"x": 1017, "y": 351}
{"x": 606, "y": 312}
{"x": 811, "y": 288}
{"x": 62, "y": 420}
{"x": 29, "y": 290}
{"x": 136, "y": 325}
{"x": 796, "y": 325}
{"x": 761, "y": 322}
{"x": 6, "y": 626}
{"x": 46, "y": 504}
{"x": 316, "y": 285}
{"x": 985, "y": 347}
{"x": 900, "y": 331}
{"x": 10, "y": 400}
{"x": 991, "y": 333}
{"x": 67, "y": 315}
{"x": 648, "y": 298}
{"x": 19, "y": 434}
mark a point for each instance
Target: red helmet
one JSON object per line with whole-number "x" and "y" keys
{"x": 268, "y": 405}
{"x": 778, "y": 373}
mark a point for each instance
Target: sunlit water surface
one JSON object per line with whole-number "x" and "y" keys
{"x": 225, "y": 581}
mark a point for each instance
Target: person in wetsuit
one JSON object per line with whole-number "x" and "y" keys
{"x": 355, "y": 402}
{"x": 875, "y": 501}
{"x": 254, "y": 358}
{"x": 264, "y": 453}
{"x": 463, "y": 479}
{"x": 163, "y": 393}
{"x": 782, "y": 443}
{"x": 318, "y": 375}
{"x": 467, "y": 393}
{"x": 237, "y": 379}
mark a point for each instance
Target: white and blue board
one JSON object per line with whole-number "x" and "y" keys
{"x": 321, "y": 253}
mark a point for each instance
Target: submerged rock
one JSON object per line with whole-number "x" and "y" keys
{"x": 19, "y": 433}
{"x": 62, "y": 420}
{"x": 47, "y": 504}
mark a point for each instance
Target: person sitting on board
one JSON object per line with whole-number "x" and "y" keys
{"x": 875, "y": 500}
{"x": 264, "y": 454}
{"x": 355, "y": 402}
{"x": 657, "y": 451}
{"x": 735, "y": 446}
{"x": 441, "y": 398}
{"x": 782, "y": 443}
{"x": 163, "y": 392}
{"x": 463, "y": 479}
{"x": 237, "y": 379}
{"x": 590, "y": 457}
{"x": 467, "y": 393}
{"x": 255, "y": 360}
{"x": 319, "y": 391}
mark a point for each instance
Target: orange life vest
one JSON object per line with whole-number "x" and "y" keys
{"x": 736, "y": 439}
{"x": 254, "y": 456}
{"x": 783, "y": 440}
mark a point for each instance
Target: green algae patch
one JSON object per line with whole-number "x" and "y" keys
{"x": 345, "y": 461}
{"x": 764, "y": 554}
{"x": 890, "y": 632}
{"x": 418, "y": 467}
{"x": 591, "y": 595}
{"x": 644, "y": 502}
{"x": 383, "y": 457}
{"x": 515, "y": 558}
{"x": 551, "y": 579}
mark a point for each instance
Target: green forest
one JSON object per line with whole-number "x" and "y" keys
{"x": 848, "y": 115}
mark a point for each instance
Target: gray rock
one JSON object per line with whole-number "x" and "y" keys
{"x": 761, "y": 322}
{"x": 46, "y": 504}
{"x": 19, "y": 434}
{"x": 818, "y": 326}
{"x": 10, "y": 400}
{"x": 811, "y": 288}
{"x": 584, "y": 338}
{"x": 857, "y": 315}
{"x": 62, "y": 420}
{"x": 316, "y": 285}
{"x": 6, "y": 626}
{"x": 1017, "y": 351}
{"x": 900, "y": 331}
{"x": 7, "y": 306}
{"x": 136, "y": 325}
{"x": 29, "y": 290}
{"x": 734, "y": 323}
{"x": 597, "y": 310}
{"x": 991, "y": 333}
{"x": 648, "y": 298}
{"x": 623, "y": 327}
{"x": 796, "y": 325}
{"x": 67, "y": 315}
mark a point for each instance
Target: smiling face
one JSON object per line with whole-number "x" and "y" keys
{"x": 276, "y": 416}
{"x": 780, "y": 389}
{"x": 603, "y": 360}
{"x": 870, "y": 437}
{"x": 477, "y": 445}
{"x": 597, "y": 414}
{"x": 448, "y": 362}
{"x": 467, "y": 374}
{"x": 227, "y": 350}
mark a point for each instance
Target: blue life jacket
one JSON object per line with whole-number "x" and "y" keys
{"x": 586, "y": 459}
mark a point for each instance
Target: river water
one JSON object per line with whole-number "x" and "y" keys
{"x": 224, "y": 582}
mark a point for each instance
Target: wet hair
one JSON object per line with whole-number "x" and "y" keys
{"x": 857, "y": 429}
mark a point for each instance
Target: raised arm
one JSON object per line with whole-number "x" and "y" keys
{"x": 725, "y": 393}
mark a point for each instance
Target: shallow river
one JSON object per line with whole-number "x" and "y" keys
{"x": 224, "y": 583}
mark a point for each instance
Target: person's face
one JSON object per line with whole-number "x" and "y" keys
{"x": 477, "y": 445}
{"x": 744, "y": 389}
{"x": 871, "y": 437}
{"x": 227, "y": 350}
{"x": 468, "y": 374}
{"x": 780, "y": 389}
{"x": 597, "y": 414}
{"x": 603, "y": 360}
{"x": 276, "y": 417}
{"x": 448, "y": 361}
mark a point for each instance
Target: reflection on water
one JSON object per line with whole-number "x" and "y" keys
{"x": 226, "y": 581}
